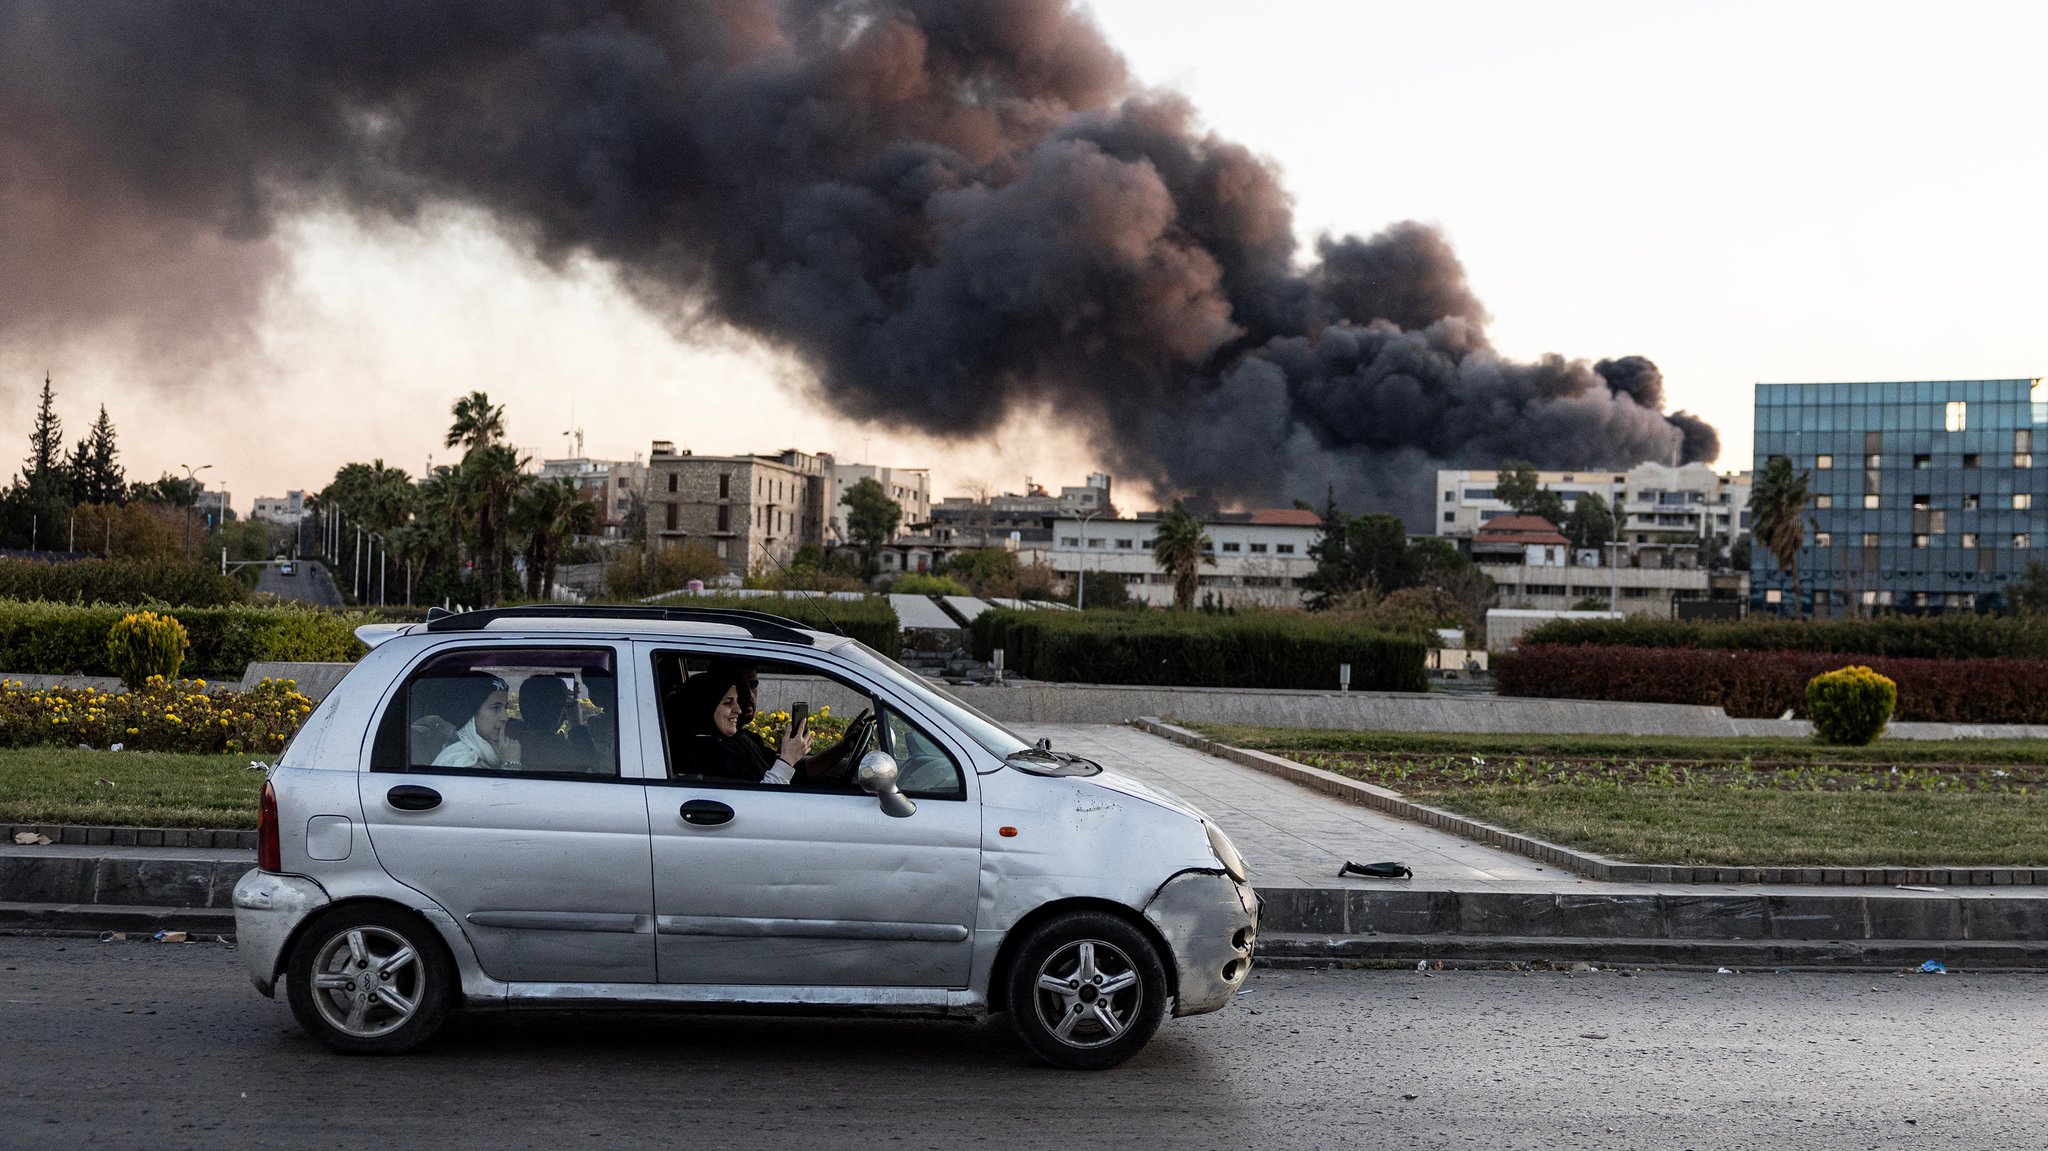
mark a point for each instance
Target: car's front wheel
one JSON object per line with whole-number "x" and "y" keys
{"x": 368, "y": 980}
{"x": 1086, "y": 990}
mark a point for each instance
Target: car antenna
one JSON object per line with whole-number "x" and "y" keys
{"x": 808, "y": 598}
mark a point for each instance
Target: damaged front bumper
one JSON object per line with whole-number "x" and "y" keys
{"x": 268, "y": 908}
{"x": 1212, "y": 923}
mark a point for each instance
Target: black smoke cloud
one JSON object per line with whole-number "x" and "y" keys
{"x": 951, "y": 210}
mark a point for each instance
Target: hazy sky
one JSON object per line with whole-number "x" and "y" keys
{"x": 1739, "y": 192}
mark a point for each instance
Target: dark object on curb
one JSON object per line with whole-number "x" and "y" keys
{"x": 1376, "y": 870}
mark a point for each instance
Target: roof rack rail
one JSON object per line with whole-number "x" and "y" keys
{"x": 759, "y": 624}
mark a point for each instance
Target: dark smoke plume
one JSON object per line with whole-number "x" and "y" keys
{"x": 952, "y": 210}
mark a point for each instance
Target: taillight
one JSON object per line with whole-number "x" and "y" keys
{"x": 269, "y": 856}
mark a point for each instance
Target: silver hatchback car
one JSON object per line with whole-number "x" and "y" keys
{"x": 715, "y": 810}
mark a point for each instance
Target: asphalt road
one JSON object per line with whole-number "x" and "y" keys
{"x": 165, "y": 1046}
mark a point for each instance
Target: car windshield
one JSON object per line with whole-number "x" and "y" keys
{"x": 999, "y": 740}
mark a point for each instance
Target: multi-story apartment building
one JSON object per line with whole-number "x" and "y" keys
{"x": 287, "y": 509}
{"x": 1922, "y": 495}
{"x": 910, "y": 487}
{"x": 1664, "y": 516}
{"x": 751, "y": 511}
{"x": 1261, "y": 556}
{"x": 615, "y": 486}
{"x": 1020, "y": 521}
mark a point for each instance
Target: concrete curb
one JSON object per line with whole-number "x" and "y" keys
{"x": 1406, "y": 950}
{"x": 1583, "y": 863}
{"x": 98, "y": 835}
{"x": 90, "y": 919}
{"x": 162, "y": 880}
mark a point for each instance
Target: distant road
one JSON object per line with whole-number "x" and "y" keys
{"x": 309, "y": 582}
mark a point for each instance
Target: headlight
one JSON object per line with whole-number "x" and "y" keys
{"x": 1226, "y": 854}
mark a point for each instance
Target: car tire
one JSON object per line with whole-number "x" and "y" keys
{"x": 368, "y": 980}
{"x": 1086, "y": 990}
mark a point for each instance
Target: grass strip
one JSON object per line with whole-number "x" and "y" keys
{"x": 127, "y": 788}
{"x": 1722, "y": 802}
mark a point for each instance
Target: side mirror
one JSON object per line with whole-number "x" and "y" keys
{"x": 878, "y": 777}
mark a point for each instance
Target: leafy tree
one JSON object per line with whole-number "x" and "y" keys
{"x": 871, "y": 518}
{"x": 1357, "y": 558}
{"x": 167, "y": 490}
{"x": 1777, "y": 517}
{"x": 924, "y": 583}
{"x": 1106, "y": 590}
{"x": 1180, "y": 546}
{"x": 2030, "y": 593}
{"x": 491, "y": 477}
{"x": 980, "y": 567}
{"x": 379, "y": 498}
{"x": 645, "y": 571}
{"x": 1519, "y": 488}
{"x": 96, "y": 473}
{"x": 1591, "y": 523}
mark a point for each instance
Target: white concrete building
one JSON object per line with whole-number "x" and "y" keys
{"x": 910, "y": 487}
{"x": 1655, "y": 506}
{"x": 1261, "y": 556}
{"x": 287, "y": 509}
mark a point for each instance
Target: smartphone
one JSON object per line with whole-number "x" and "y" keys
{"x": 799, "y": 715}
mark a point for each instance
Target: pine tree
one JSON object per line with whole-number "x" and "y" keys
{"x": 40, "y": 496}
{"x": 96, "y": 475}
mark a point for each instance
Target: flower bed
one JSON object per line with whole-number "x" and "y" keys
{"x": 163, "y": 715}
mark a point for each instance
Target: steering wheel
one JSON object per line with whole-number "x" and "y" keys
{"x": 859, "y": 740}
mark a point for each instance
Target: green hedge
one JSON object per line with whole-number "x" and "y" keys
{"x": 1908, "y": 637}
{"x": 140, "y": 582}
{"x": 66, "y": 639}
{"x": 1186, "y": 649}
{"x": 869, "y": 619}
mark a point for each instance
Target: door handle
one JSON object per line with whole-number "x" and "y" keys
{"x": 706, "y": 813}
{"x": 413, "y": 797}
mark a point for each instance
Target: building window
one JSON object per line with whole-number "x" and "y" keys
{"x": 725, "y": 517}
{"x": 1098, "y": 541}
{"x": 1259, "y": 549}
{"x": 1823, "y": 501}
{"x": 1450, "y": 497}
{"x": 1450, "y": 517}
{"x": 670, "y": 515}
{"x": 1970, "y": 460}
{"x": 1922, "y": 463}
{"x": 725, "y": 485}
{"x": 1937, "y": 522}
{"x": 1921, "y": 503}
{"x": 1284, "y": 549}
{"x": 1231, "y": 547}
{"x": 724, "y": 549}
{"x": 2022, "y": 501}
{"x": 671, "y": 481}
{"x": 1126, "y": 543}
{"x": 1919, "y": 541}
{"x": 1070, "y": 541}
{"x": 1958, "y": 415}
{"x": 1970, "y": 503}
{"x": 2023, "y": 448}
{"x": 1870, "y": 501}
{"x": 2021, "y": 541}
{"x": 1969, "y": 539}
{"x": 1870, "y": 539}
{"x": 1773, "y": 595}
{"x": 1822, "y": 539}
{"x": 1873, "y": 461}
{"x": 1824, "y": 463}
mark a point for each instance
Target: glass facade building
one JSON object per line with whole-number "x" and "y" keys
{"x": 1923, "y": 496}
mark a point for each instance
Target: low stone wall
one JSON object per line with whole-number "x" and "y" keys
{"x": 314, "y": 680}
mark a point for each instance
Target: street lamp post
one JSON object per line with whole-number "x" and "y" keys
{"x": 192, "y": 477}
{"x": 1081, "y": 566}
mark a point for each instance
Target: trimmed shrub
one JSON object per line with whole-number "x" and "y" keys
{"x": 1766, "y": 684}
{"x": 119, "y": 582}
{"x": 869, "y": 619}
{"x": 1185, "y": 649}
{"x": 144, "y": 645}
{"x": 1850, "y": 705}
{"x": 920, "y": 583}
{"x": 1911, "y": 637}
{"x": 62, "y": 639}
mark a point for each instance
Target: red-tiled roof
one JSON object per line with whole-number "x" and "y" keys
{"x": 1290, "y": 517}
{"x": 1519, "y": 530}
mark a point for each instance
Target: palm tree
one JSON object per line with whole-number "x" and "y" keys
{"x": 550, "y": 514}
{"x": 1777, "y": 517}
{"x": 491, "y": 477}
{"x": 1181, "y": 547}
{"x": 478, "y": 422}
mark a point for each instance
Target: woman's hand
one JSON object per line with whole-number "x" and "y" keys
{"x": 796, "y": 744}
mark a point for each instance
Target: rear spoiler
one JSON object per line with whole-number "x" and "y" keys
{"x": 373, "y": 634}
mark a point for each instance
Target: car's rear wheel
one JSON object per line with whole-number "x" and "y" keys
{"x": 1086, "y": 990}
{"x": 368, "y": 980}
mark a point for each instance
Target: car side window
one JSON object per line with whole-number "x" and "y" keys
{"x": 534, "y": 711}
{"x": 925, "y": 768}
